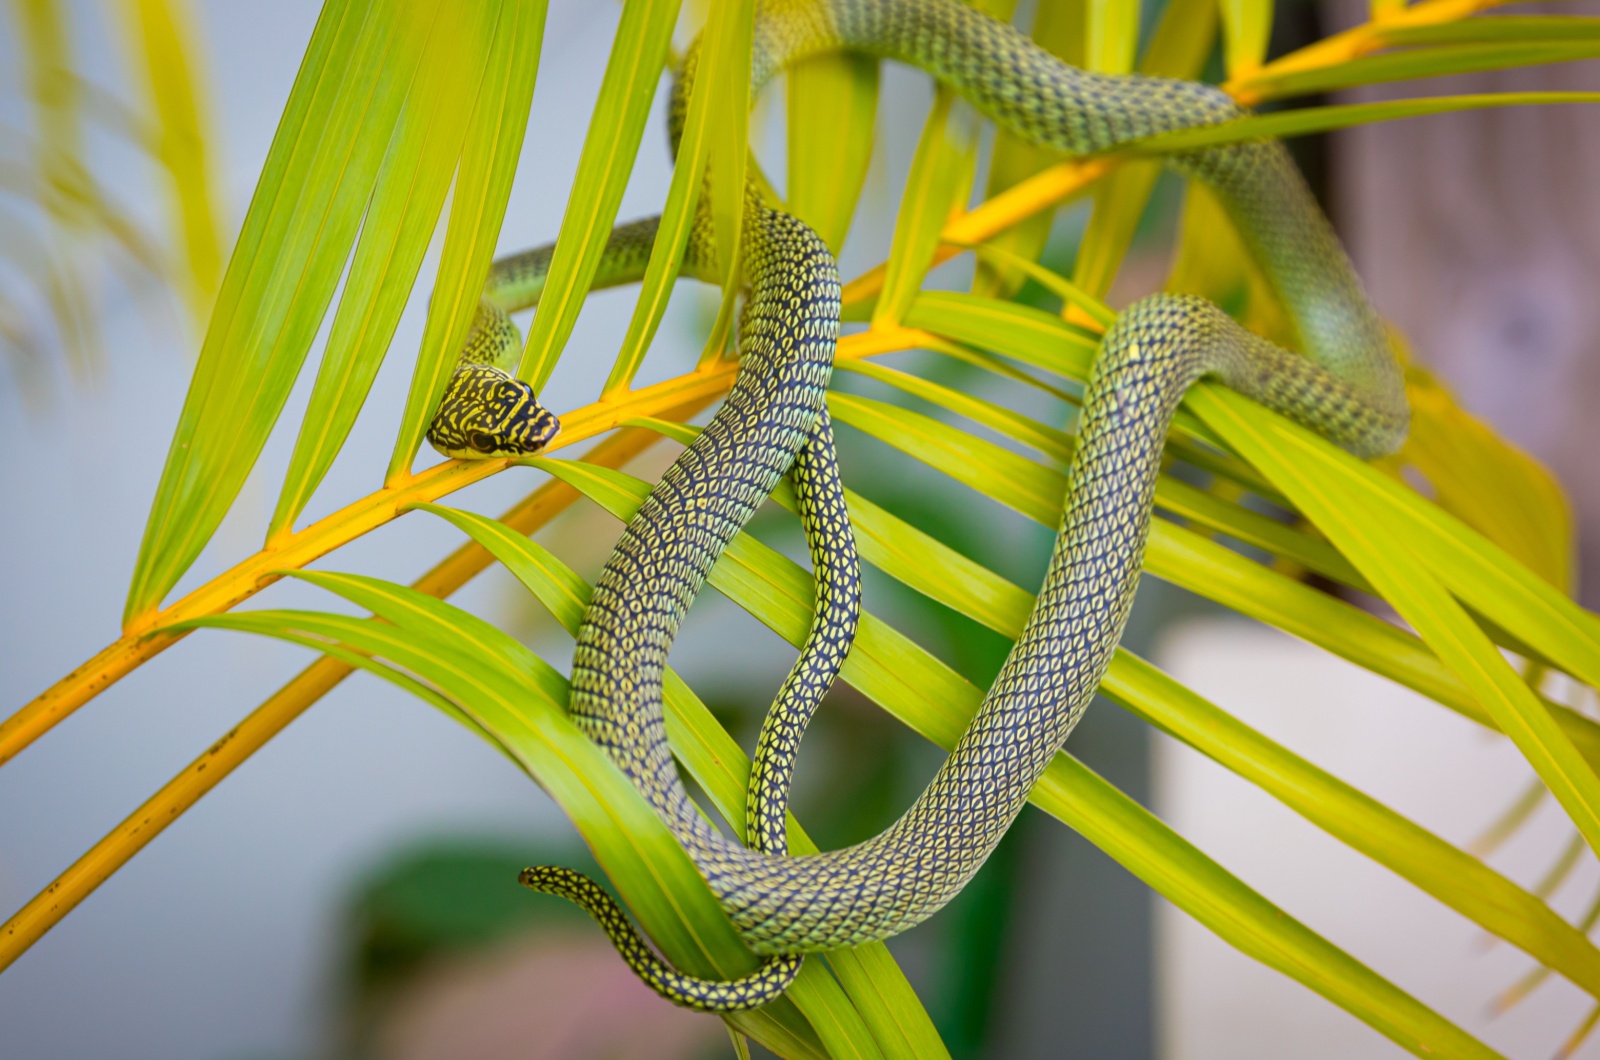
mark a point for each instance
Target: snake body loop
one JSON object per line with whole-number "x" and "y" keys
{"x": 1346, "y": 386}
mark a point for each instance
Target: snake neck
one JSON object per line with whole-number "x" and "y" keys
{"x": 516, "y": 282}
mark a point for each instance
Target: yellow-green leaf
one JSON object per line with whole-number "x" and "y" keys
{"x": 1070, "y": 293}
{"x": 727, "y": 51}
{"x": 832, "y": 113}
{"x": 1021, "y": 332}
{"x": 1113, "y": 36}
{"x": 1244, "y": 919}
{"x": 1179, "y": 47}
{"x": 728, "y": 37}
{"x": 1499, "y": 29}
{"x": 1420, "y": 62}
{"x": 1455, "y": 878}
{"x": 297, "y": 234}
{"x": 1058, "y": 28}
{"x": 1182, "y": 40}
{"x": 678, "y": 216}
{"x": 1344, "y": 499}
{"x": 1119, "y": 202}
{"x": 165, "y": 35}
{"x": 940, "y": 178}
{"x": 1246, "y": 30}
{"x": 615, "y": 129}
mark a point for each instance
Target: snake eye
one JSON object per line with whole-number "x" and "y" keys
{"x": 483, "y": 443}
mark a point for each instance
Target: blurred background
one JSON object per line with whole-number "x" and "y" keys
{"x": 351, "y": 890}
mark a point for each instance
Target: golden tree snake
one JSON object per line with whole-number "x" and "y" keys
{"x": 1345, "y": 384}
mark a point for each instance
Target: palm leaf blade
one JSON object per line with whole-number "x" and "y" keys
{"x": 165, "y": 40}
{"x": 941, "y": 176}
{"x": 491, "y": 687}
{"x": 615, "y": 130}
{"x": 832, "y": 108}
{"x": 296, "y": 235}
{"x": 1387, "y": 551}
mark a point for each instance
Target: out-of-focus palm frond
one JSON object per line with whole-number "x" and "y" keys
{"x": 65, "y": 222}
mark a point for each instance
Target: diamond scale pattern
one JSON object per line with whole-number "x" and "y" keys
{"x": 1346, "y": 385}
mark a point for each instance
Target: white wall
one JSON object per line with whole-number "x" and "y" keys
{"x": 1442, "y": 771}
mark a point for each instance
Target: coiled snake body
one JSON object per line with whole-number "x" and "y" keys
{"x": 1346, "y": 385}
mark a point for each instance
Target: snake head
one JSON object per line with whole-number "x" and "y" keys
{"x": 487, "y": 412}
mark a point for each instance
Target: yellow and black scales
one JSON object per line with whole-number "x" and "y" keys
{"x": 1345, "y": 385}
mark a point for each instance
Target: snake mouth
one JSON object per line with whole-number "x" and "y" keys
{"x": 546, "y": 436}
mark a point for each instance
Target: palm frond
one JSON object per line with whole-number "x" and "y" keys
{"x": 67, "y": 218}
{"x": 393, "y": 101}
